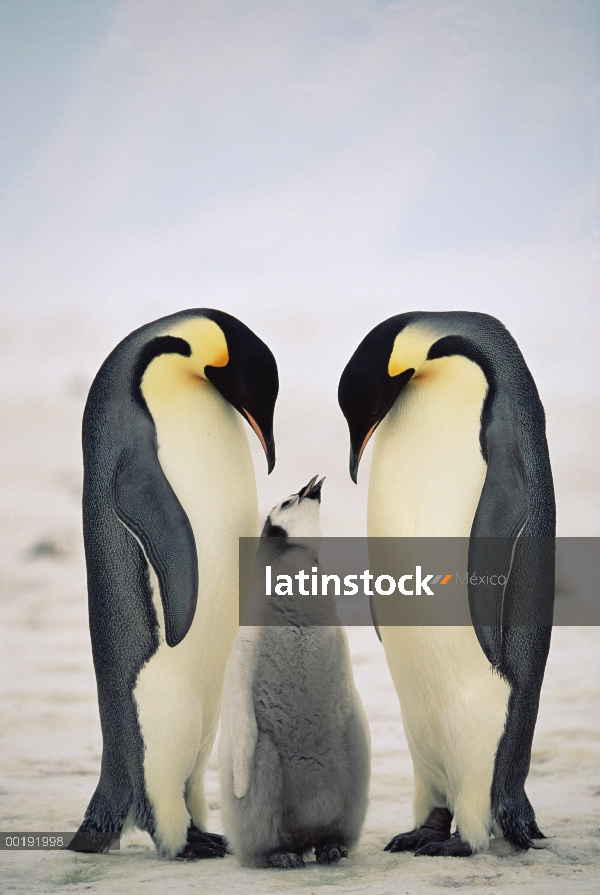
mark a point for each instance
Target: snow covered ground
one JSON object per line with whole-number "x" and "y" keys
{"x": 50, "y": 735}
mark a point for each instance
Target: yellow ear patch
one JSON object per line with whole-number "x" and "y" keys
{"x": 207, "y": 341}
{"x": 410, "y": 348}
{"x": 170, "y": 375}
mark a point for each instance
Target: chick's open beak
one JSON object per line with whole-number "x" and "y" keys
{"x": 312, "y": 490}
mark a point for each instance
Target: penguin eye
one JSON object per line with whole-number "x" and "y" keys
{"x": 287, "y": 503}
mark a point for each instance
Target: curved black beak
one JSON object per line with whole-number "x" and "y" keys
{"x": 312, "y": 490}
{"x": 354, "y": 461}
{"x": 356, "y": 454}
{"x": 268, "y": 444}
{"x": 270, "y": 454}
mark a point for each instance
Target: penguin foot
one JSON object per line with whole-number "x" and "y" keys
{"x": 331, "y": 854}
{"x": 284, "y": 860}
{"x": 203, "y": 845}
{"x": 455, "y": 847}
{"x": 214, "y": 839}
{"x": 435, "y": 829}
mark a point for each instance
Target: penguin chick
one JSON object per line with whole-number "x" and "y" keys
{"x": 295, "y": 743}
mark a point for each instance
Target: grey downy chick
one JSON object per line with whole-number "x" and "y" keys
{"x": 295, "y": 743}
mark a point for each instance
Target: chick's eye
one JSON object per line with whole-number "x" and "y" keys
{"x": 287, "y": 503}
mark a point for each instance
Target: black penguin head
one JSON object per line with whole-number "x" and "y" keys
{"x": 225, "y": 352}
{"x": 369, "y": 386}
{"x": 249, "y": 379}
{"x": 407, "y": 346}
{"x": 298, "y": 516}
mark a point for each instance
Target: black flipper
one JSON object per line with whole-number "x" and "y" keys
{"x": 504, "y": 504}
{"x": 501, "y": 515}
{"x": 146, "y": 504}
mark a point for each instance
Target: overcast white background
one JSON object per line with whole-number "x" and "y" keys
{"x": 312, "y": 168}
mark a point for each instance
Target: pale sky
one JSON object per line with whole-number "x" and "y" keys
{"x": 312, "y": 168}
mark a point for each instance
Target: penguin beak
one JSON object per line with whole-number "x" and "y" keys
{"x": 312, "y": 490}
{"x": 354, "y": 461}
{"x": 355, "y": 456}
{"x": 268, "y": 445}
{"x": 270, "y": 454}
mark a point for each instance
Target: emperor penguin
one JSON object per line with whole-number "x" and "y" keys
{"x": 169, "y": 487}
{"x": 294, "y": 742}
{"x": 460, "y": 451}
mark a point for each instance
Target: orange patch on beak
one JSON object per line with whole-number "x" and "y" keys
{"x": 256, "y": 428}
{"x": 366, "y": 441}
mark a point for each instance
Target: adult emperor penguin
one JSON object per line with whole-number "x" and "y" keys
{"x": 295, "y": 744}
{"x": 461, "y": 451}
{"x": 168, "y": 488}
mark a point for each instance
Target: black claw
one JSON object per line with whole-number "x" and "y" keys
{"x": 196, "y": 837}
{"x": 214, "y": 837}
{"x": 404, "y": 841}
{"x": 213, "y": 844}
{"x": 435, "y": 829}
{"x": 455, "y": 847}
{"x": 331, "y": 854}
{"x": 415, "y": 839}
